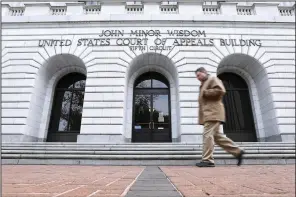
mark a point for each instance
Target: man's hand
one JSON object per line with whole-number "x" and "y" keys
{"x": 215, "y": 91}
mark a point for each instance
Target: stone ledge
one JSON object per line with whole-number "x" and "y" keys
{"x": 138, "y": 146}
{"x": 140, "y": 157}
{"x": 137, "y": 152}
{"x": 124, "y": 17}
{"x": 142, "y": 162}
{"x": 100, "y": 138}
{"x": 19, "y": 138}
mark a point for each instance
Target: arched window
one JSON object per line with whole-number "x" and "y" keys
{"x": 67, "y": 108}
{"x": 151, "y": 80}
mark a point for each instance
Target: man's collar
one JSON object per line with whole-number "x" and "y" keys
{"x": 208, "y": 76}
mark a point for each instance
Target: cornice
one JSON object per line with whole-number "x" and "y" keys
{"x": 159, "y": 23}
{"x": 265, "y": 4}
{"x": 36, "y": 4}
{"x": 142, "y": 18}
{"x": 124, "y": 1}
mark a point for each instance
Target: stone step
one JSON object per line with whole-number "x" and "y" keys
{"x": 145, "y": 160}
{"x": 142, "y": 146}
{"x": 188, "y": 148}
{"x": 69, "y": 144}
{"x": 140, "y": 154}
{"x": 149, "y": 152}
{"x": 94, "y": 156}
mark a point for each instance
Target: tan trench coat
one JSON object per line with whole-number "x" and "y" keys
{"x": 211, "y": 107}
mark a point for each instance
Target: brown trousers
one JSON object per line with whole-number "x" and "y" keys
{"x": 212, "y": 135}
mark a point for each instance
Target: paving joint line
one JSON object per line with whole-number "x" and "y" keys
{"x": 131, "y": 184}
{"x": 153, "y": 182}
{"x": 171, "y": 183}
{"x": 69, "y": 190}
{"x": 113, "y": 182}
{"x": 94, "y": 193}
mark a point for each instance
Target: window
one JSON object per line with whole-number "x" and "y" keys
{"x": 151, "y": 80}
{"x": 68, "y": 103}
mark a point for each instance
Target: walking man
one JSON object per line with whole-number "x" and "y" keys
{"x": 211, "y": 115}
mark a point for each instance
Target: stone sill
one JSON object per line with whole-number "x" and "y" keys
{"x": 125, "y": 18}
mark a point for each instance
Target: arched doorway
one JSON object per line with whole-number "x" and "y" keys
{"x": 67, "y": 107}
{"x": 151, "y": 109}
{"x": 239, "y": 124}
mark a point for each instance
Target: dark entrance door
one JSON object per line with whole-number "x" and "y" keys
{"x": 67, "y": 109}
{"x": 151, "y": 111}
{"x": 239, "y": 124}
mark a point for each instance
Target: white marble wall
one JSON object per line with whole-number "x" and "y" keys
{"x": 29, "y": 72}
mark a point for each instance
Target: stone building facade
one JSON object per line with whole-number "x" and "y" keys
{"x": 120, "y": 71}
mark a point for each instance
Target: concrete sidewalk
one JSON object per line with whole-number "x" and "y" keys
{"x": 164, "y": 181}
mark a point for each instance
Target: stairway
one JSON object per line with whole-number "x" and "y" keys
{"x": 140, "y": 154}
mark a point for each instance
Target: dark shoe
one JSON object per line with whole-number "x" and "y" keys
{"x": 240, "y": 157}
{"x": 205, "y": 164}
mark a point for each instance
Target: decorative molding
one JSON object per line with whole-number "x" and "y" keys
{"x": 16, "y": 11}
{"x": 245, "y": 10}
{"x": 168, "y": 7}
{"x": 209, "y": 8}
{"x": 58, "y": 10}
{"x": 92, "y": 9}
{"x": 287, "y": 11}
{"x": 134, "y": 7}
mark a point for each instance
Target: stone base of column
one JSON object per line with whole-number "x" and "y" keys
{"x": 194, "y": 138}
{"x": 288, "y": 137}
{"x": 20, "y": 138}
{"x": 284, "y": 137}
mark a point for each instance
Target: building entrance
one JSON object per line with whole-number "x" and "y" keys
{"x": 151, "y": 109}
{"x": 67, "y": 108}
{"x": 239, "y": 124}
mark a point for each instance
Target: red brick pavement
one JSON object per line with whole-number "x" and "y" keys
{"x": 114, "y": 181}
{"x": 67, "y": 181}
{"x": 232, "y": 181}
